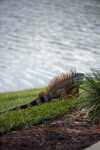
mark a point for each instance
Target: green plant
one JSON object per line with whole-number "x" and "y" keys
{"x": 91, "y": 95}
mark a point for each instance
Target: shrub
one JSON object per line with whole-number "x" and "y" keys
{"x": 91, "y": 95}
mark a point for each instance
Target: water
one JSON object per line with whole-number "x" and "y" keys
{"x": 42, "y": 38}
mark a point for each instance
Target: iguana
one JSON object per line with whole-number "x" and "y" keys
{"x": 60, "y": 86}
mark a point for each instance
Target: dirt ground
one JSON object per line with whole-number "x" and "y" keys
{"x": 68, "y": 132}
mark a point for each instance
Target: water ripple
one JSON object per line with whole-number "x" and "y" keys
{"x": 40, "y": 39}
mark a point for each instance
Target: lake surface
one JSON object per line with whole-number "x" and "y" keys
{"x": 42, "y": 38}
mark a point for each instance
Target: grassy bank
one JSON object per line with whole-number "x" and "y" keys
{"x": 15, "y": 120}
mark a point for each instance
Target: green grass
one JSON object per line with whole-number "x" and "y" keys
{"x": 14, "y": 120}
{"x": 17, "y": 119}
{"x": 13, "y": 99}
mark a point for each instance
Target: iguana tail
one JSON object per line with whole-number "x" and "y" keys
{"x": 41, "y": 98}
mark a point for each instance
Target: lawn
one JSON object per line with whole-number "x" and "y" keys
{"x": 18, "y": 119}
{"x": 88, "y": 97}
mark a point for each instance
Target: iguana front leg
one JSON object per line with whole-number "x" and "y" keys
{"x": 61, "y": 93}
{"x": 74, "y": 92}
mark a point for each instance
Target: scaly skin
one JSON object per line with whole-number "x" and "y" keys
{"x": 68, "y": 85}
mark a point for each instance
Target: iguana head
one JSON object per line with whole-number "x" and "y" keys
{"x": 78, "y": 78}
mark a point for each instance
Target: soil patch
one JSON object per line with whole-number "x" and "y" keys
{"x": 68, "y": 132}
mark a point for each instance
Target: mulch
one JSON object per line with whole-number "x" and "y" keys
{"x": 67, "y": 132}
